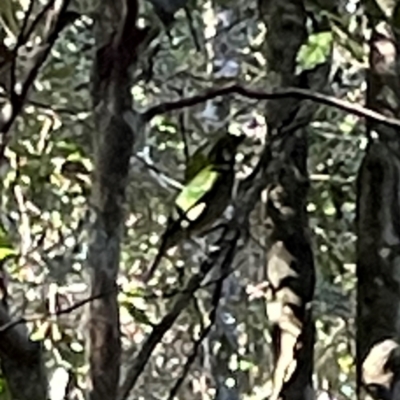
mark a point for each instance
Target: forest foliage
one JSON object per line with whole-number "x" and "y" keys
{"x": 46, "y": 183}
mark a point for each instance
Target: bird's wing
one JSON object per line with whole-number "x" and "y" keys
{"x": 195, "y": 190}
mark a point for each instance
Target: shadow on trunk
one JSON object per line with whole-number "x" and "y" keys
{"x": 378, "y": 216}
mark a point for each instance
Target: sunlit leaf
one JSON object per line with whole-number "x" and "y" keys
{"x": 346, "y": 362}
{"x": 41, "y": 332}
{"x": 316, "y": 50}
{"x": 6, "y": 252}
{"x": 245, "y": 365}
{"x": 6, "y": 248}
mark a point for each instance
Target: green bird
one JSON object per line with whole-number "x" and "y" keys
{"x": 203, "y": 199}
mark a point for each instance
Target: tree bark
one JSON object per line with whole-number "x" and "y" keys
{"x": 117, "y": 39}
{"x": 378, "y": 248}
{"x": 290, "y": 265}
{"x": 21, "y": 361}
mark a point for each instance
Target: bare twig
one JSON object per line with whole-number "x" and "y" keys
{"x": 41, "y": 53}
{"x": 181, "y": 121}
{"x": 20, "y": 41}
{"x": 38, "y": 19}
{"x": 4, "y": 328}
{"x": 196, "y": 345}
{"x": 302, "y": 94}
{"x": 176, "y": 292}
{"x": 22, "y": 38}
{"x": 54, "y": 109}
{"x": 221, "y": 257}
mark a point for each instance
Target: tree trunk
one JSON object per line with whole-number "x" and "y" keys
{"x": 290, "y": 265}
{"x": 21, "y": 361}
{"x": 378, "y": 249}
{"x": 117, "y": 39}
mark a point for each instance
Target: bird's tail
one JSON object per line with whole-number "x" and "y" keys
{"x": 168, "y": 240}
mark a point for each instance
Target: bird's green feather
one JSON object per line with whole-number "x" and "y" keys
{"x": 200, "y": 185}
{"x": 196, "y": 163}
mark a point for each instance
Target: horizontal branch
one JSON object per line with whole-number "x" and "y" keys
{"x": 275, "y": 94}
{"x": 6, "y": 325}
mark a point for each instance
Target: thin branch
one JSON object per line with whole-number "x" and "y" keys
{"x": 225, "y": 29}
{"x": 176, "y": 292}
{"x": 181, "y": 122}
{"x": 281, "y": 93}
{"x": 38, "y": 19}
{"x": 56, "y": 110}
{"x": 4, "y": 328}
{"x": 42, "y": 51}
{"x": 50, "y": 107}
{"x": 20, "y": 41}
{"x": 192, "y": 29}
{"x": 21, "y": 38}
{"x": 197, "y": 343}
{"x": 221, "y": 257}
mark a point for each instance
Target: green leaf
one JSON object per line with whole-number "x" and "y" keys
{"x": 6, "y": 249}
{"x": 6, "y": 252}
{"x": 41, "y": 332}
{"x": 316, "y": 50}
{"x": 245, "y": 365}
{"x": 4, "y": 240}
{"x": 201, "y": 184}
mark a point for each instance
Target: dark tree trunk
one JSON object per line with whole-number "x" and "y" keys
{"x": 378, "y": 218}
{"x": 290, "y": 265}
{"x": 21, "y": 361}
{"x": 117, "y": 39}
